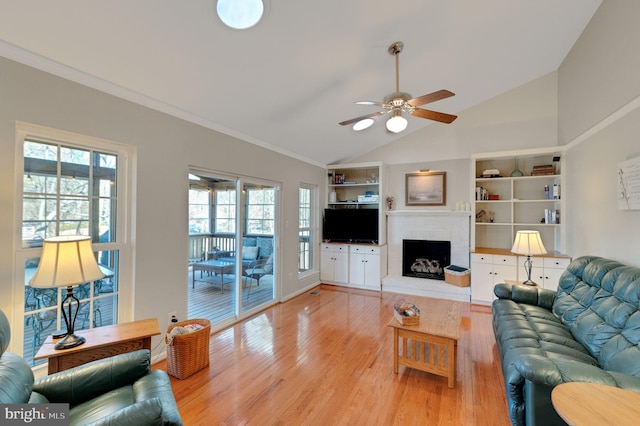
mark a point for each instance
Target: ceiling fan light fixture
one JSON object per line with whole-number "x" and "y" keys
{"x": 397, "y": 123}
{"x": 363, "y": 124}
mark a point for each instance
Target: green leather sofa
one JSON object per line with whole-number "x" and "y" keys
{"x": 121, "y": 390}
{"x": 586, "y": 332}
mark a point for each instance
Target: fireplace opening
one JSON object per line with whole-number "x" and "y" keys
{"x": 425, "y": 259}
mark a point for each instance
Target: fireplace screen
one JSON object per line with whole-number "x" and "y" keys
{"x": 425, "y": 259}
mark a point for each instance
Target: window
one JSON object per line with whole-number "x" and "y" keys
{"x": 67, "y": 191}
{"x": 305, "y": 233}
{"x": 199, "y": 211}
{"x": 225, "y": 217}
{"x": 260, "y": 211}
{"x": 70, "y": 186}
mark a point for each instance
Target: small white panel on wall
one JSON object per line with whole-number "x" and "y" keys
{"x": 629, "y": 184}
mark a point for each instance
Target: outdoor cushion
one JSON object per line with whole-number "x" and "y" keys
{"x": 265, "y": 245}
{"x": 268, "y": 266}
{"x": 249, "y": 253}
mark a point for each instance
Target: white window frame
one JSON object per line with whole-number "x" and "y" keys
{"x": 313, "y": 226}
{"x": 126, "y": 158}
{"x": 247, "y": 207}
{"x": 215, "y": 205}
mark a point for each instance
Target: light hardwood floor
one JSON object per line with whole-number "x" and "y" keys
{"x": 326, "y": 359}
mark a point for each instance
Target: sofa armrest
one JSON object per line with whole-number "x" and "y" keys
{"x": 552, "y": 372}
{"x": 144, "y": 413}
{"x": 89, "y": 380}
{"x": 526, "y": 294}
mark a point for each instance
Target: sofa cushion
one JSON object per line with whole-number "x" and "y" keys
{"x": 16, "y": 378}
{"x": 103, "y": 405}
{"x": 599, "y": 300}
{"x": 143, "y": 413}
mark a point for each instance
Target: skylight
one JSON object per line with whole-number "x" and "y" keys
{"x": 240, "y": 14}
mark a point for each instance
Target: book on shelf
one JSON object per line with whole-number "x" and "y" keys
{"x": 546, "y": 169}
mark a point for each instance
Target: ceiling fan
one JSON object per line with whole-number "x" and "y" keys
{"x": 398, "y": 102}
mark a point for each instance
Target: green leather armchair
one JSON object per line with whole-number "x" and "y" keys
{"x": 120, "y": 390}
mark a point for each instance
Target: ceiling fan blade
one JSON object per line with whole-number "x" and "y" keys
{"x": 382, "y": 104}
{"x": 434, "y": 115}
{"x": 355, "y": 120}
{"x": 431, "y": 97}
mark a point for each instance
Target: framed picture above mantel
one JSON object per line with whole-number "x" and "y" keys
{"x": 426, "y": 189}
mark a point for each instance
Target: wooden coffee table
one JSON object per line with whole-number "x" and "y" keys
{"x": 430, "y": 346}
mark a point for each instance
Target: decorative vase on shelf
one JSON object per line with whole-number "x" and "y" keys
{"x": 516, "y": 172}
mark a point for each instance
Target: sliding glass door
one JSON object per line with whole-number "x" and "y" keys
{"x": 258, "y": 244}
{"x": 232, "y": 246}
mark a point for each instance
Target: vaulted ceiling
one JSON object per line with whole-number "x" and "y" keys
{"x": 287, "y": 82}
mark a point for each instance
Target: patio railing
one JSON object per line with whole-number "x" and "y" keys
{"x": 201, "y": 244}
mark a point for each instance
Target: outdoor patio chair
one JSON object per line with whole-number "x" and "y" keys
{"x": 258, "y": 269}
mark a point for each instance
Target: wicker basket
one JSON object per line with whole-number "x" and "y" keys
{"x": 400, "y": 316}
{"x": 188, "y": 353}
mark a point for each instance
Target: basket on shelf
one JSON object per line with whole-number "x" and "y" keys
{"x": 406, "y": 313}
{"x": 189, "y": 352}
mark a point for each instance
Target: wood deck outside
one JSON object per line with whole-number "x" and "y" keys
{"x": 207, "y": 301}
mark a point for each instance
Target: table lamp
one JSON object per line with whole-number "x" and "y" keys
{"x": 65, "y": 262}
{"x": 529, "y": 243}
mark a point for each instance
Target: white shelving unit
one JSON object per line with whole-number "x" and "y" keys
{"x": 356, "y": 265}
{"x": 518, "y": 202}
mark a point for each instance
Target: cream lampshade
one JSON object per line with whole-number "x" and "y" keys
{"x": 530, "y": 244}
{"x": 65, "y": 262}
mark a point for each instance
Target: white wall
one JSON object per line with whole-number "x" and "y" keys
{"x": 598, "y": 94}
{"x": 166, "y": 148}
{"x": 595, "y": 226}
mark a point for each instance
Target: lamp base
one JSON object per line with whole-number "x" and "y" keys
{"x": 529, "y": 282}
{"x": 70, "y": 341}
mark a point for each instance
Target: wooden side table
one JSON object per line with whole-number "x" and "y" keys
{"x": 580, "y": 403}
{"x": 102, "y": 342}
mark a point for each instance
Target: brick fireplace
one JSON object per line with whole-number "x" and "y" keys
{"x": 426, "y": 225}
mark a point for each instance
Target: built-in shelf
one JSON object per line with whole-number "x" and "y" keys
{"x": 520, "y": 202}
{"x": 358, "y": 180}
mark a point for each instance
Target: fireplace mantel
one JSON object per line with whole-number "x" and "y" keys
{"x": 429, "y": 213}
{"x": 438, "y": 225}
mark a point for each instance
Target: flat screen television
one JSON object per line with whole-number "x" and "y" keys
{"x": 350, "y": 225}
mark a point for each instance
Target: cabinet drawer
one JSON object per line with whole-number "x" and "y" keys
{"x": 335, "y": 247}
{"x": 481, "y": 258}
{"x": 505, "y": 260}
{"x": 365, "y": 250}
{"x": 556, "y": 262}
